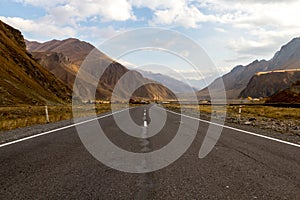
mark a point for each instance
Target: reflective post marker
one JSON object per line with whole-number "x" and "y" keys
{"x": 47, "y": 115}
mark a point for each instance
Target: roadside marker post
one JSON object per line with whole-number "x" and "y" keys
{"x": 47, "y": 115}
{"x": 240, "y": 112}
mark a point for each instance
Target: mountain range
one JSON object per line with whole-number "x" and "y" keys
{"x": 44, "y": 73}
{"x": 243, "y": 81}
{"x": 63, "y": 59}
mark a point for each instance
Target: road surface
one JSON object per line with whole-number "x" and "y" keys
{"x": 241, "y": 166}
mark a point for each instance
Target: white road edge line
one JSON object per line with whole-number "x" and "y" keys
{"x": 62, "y": 128}
{"x": 235, "y": 129}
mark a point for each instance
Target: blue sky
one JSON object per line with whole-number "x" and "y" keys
{"x": 231, "y": 32}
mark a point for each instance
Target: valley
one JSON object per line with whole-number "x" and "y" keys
{"x": 131, "y": 99}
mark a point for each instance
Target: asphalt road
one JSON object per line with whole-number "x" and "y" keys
{"x": 241, "y": 166}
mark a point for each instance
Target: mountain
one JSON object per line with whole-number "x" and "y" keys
{"x": 289, "y": 95}
{"x": 72, "y": 48}
{"x": 22, "y": 79}
{"x": 288, "y": 57}
{"x": 265, "y": 84}
{"x": 173, "y": 84}
{"x": 63, "y": 59}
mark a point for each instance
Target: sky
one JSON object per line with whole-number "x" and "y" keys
{"x": 231, "y": 32}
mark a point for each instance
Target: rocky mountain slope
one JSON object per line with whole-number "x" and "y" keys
{"x": 237, "y": 80}
{"x": 265, "y": 84}
{"x": 22, "y": 79}
{"x": 289, "y": 95}
{"x": 63, "y": 58}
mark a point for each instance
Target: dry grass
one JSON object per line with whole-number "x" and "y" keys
{"x": 267, "y": 112}
{"x": 22, "y": 116}
{"x": 247, "y": 111}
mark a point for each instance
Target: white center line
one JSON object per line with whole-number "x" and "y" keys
{"x": 145, "y": 124}
{"x": 145, "y": 121}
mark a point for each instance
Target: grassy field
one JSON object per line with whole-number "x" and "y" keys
{"x": 278, "y": 119}
{"x": 267, "y": 112}
{"x": 22, "y": 116}
{"x": 248, "y": 111}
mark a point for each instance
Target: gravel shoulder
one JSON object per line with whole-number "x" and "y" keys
{"x": 7, "y": 136}
{"x": 287, "y": 130}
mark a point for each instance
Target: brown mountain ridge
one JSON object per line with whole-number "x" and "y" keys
{"x": 63, "y": 59}
{"x": 265, "y": 84}
{"x": 22, "y": 79}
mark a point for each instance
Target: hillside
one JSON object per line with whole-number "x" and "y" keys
{"x": 288, "y": 57}
{"x": 72, "y": 48}
{"x": 289, "y": 95}
{"x": 22, "y": 79}
{"x": 265, "y": 84}
{"x": 63, "y": 58}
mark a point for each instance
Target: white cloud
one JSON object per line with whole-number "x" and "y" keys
{"x": 246, "y": 46}
{"x": 127, "y": 64}
{"x": 185, "y": 53}
{"x": 272, "y": 14}
{"x": 39, "y": 29}
{"x": 75, "y": 11}
{"x": 262, "y": 42}
{"x": 42, "y": 3}
{"x": 96, "y": 32}
{"x": 250, "y": 28}
{"x": 179, "y": 13}
{"x": 221, "y": 30}
{"x": 73, "y": 18}
{"x": 257, "y": 28}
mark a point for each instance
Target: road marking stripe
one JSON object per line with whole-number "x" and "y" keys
{"x": 235, "y": 129}
{"x": 145, "y": 124}
{"x": 62, "y": 128}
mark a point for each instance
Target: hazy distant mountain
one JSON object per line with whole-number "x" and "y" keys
{"x": 236, "y": 81}
{"x": 172, "y": 83}
{"x": 289, "y": 95}
{"x": 197, "y": 83}
{"x": 22, "y": 79}
{"x": 63, "y": 58}
{"x": 265, "y": 84}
